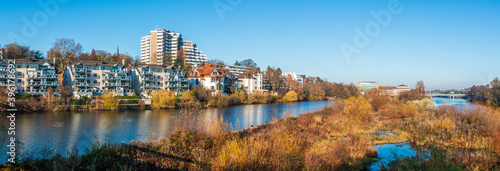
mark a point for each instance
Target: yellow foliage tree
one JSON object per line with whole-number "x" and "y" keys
{"x": 162, "y": 99}
{"x": 110, "y": 102}
{"x": 187, "y": 96}
{"x": 359, "y": 109}
{"x": 291, "y": 96}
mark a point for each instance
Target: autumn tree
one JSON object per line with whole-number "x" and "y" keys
{"x": 420, "y": 89}
{"x": 93, "y": 56}
{"x": 16, "y": 51}
{"x": 291, "y": 96}
{"x": 316, "y": 93}
{"x": 494, "y": 96}
{"x": 216, "y": 63}
{"x": 274, "y": 78}
{"x": 64, "y": 51}
{"x": 162, "y": 99}
{"x": 187, "y": 96}
{"x": 110, "y": 102}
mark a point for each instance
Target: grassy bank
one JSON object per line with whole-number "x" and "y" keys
{"x": 339, "y": 137}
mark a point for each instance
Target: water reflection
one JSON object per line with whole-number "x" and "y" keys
{"x": 70, "y": 131}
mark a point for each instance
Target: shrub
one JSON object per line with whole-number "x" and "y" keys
{"x": 291, "y": 96}
{"x": 187, "y": 96}
{"x": 162, "y": 99}
{"x": 110, "y": 102}
{"x": 359, "y": 109}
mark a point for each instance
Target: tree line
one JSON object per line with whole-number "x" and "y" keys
{"x": 66, "y": 51}
{"x": 487, "y": 95}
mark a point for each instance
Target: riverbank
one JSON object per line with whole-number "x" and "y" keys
{"x": 339, "y": 137}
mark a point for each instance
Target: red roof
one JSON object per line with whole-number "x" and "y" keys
{"x": 207, "y": 70}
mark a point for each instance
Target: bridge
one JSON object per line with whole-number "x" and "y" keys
{"x": 446, "y": 95}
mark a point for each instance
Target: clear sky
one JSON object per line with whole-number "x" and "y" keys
{"x": 447, "y": 44}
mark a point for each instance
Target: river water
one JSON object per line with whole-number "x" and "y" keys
{"x": 66, "y": 132}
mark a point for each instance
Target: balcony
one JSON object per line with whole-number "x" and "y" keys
{"x": 35, "y": 76}
{"x": 34, "y": 84}
{"x": 110, "y": 78}
{"x": 110, "y": 85}
{"x": 81, "y": 84}
{"x": 80, "y": 77}
{"x": 79, "y": 70}
{"x": 147, "y": 79}
{"x": 50, "y": 84}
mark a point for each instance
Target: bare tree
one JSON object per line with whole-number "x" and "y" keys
{"x": 64, "y": 51}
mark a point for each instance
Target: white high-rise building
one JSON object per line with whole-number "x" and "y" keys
{"x": 160, "y": 45}
{"x": 193, "y": 56}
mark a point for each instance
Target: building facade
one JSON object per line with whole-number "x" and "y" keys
{"x": 34, "y": 76}
{"x": 294, "y": 76}
{"x": 93, "y": 78}
{"x": 251, "y": 83}
{"x": 367, "y": 85}
{"x": 148, "y": 77}
{"x": 193, "y": 57}
{"x": 159, "y": 45}
{"x": 212, "y": 79}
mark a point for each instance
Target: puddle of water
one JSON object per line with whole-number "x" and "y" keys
{"x": 387, "y": 152}
{"x": 384, "y": 133}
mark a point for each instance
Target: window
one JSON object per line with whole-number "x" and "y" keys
{"x": 95, "y": 81}
{"x": 95, "y": 74}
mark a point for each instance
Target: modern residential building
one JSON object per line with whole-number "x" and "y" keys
{"x": 34, "y": 76}
{"x": 367, "y": 85}
{"x": 149, "y": 77}
{"x": 394, "y": 91}
{"x": 294, "y": 76}
{"x": 193, "y": 57}
{"x": 93, "y": 78}
{"x": 234, "y": 70}
{"x": 251, "y": 83}
{"x": 160, "y": 45}
{"x": 211, "y": 78}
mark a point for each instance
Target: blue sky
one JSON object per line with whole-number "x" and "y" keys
{"x": 447, "y": 44}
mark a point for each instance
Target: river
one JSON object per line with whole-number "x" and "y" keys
{"x": 66, "y": 132}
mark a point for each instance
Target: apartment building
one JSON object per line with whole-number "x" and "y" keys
{"x": 235, "y": 70}
{"x": 395, "y": 91}
{"x": 364, "y": 86}
{"x": 160, "y": 45}
{"x": 294, "y": 76}
{"x": 33, "y": 76}
{"x": 193, "y": 57}
{"x": 149, "y": 77}
{"x": 211, "y": 78}
{"x": 93, "y": 78}
{"x": 251, "y": 83}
